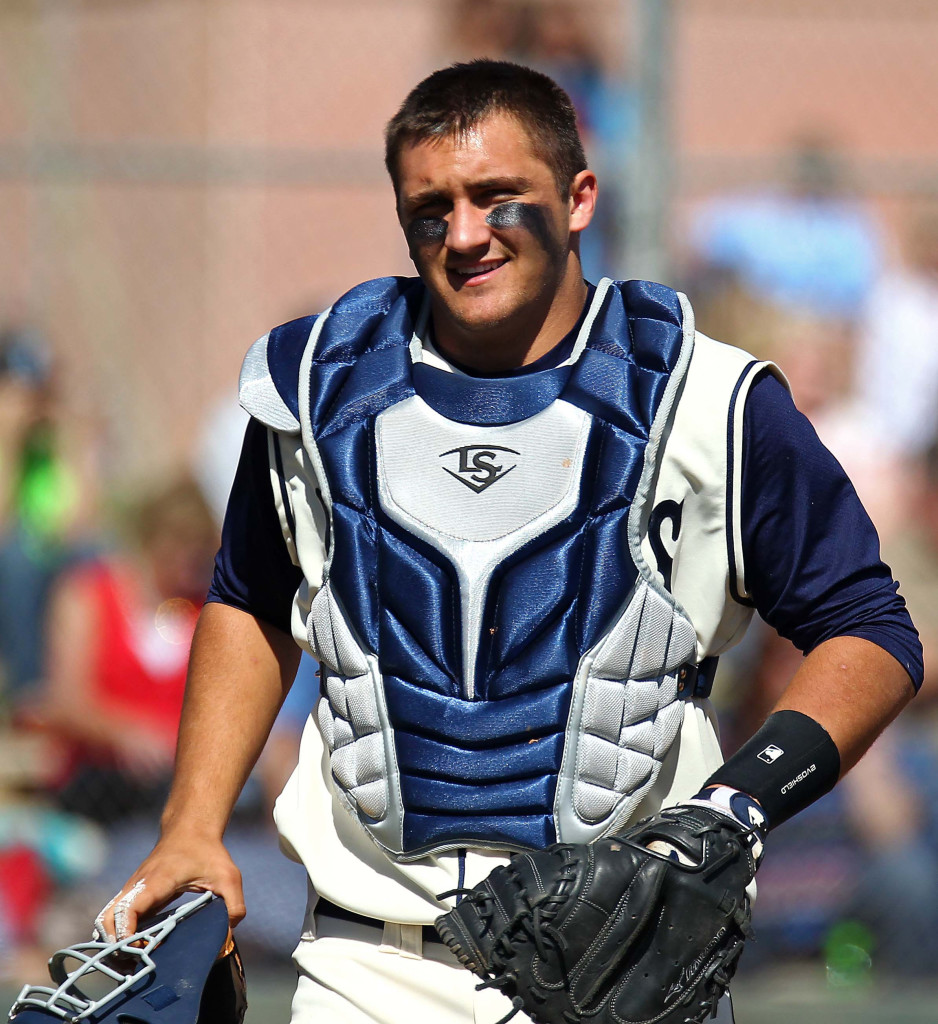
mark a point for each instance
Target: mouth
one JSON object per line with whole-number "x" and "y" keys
{"x": 474, "y": 274}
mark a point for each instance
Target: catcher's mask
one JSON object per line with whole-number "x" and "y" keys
{"x": 181, "y": 969}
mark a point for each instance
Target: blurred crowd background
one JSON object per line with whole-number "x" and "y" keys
{"x": 176, "y": 176}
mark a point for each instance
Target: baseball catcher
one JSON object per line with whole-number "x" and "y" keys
{"x": 516, "y": 516}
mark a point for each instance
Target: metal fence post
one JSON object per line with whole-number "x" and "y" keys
{"x": 650, "y": 175}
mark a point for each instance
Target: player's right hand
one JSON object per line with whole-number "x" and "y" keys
{"x": 179, "y": 863}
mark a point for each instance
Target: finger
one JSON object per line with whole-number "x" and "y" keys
{"x": 111, "y": 923}
{"x": 669, "y": 851}
{"x": 125, "y": 917}
{"x": 104, "y": 922}
{"x": 118, "y": 920}
{"x": 229, "y": 887}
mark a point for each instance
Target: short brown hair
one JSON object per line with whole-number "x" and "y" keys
{"x": 453, "y": 100}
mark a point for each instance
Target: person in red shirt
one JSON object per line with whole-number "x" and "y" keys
{"x": 119, "y": 632}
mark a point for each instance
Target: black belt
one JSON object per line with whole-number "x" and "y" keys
{"x": 336, "y": 913}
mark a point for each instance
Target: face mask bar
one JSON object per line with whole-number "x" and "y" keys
{"x": 68, "y": 1001}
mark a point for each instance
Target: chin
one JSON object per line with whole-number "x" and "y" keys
{"x": 481, "y": 323}
{"x": 485, "y": 312}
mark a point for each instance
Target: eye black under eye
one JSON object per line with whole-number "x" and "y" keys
{"x": 531, "y": 217}
{"x": 513, "y": 215}
{"x": 426, "y": 230}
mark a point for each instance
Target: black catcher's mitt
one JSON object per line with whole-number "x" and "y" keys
{"x": 614, "y": 931}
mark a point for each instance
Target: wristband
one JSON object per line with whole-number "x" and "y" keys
{"x": 787, "y": 765}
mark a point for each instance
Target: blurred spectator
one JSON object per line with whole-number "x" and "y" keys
{"x": 913, "y": 554}
{"x": 810, "y": 246}
{"x": 119, "y": 630}
{"x": 897, "y": 371}
{"x": 562, "y": 48}
{"x": 818, "y": 355}
{"x": 558, "y": 43}
{"x": 47, "y": 501}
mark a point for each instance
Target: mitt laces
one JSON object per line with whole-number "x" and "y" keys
{"x": 535, "y": 921}
{"x": 461, "y": 892}
{"x": 536, "y": 924}
{"x": 720, "y": 972}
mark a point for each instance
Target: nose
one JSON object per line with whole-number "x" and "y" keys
{"x": 468, "y": 230}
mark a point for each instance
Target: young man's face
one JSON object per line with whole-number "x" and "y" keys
{"x": 488, "y": 231}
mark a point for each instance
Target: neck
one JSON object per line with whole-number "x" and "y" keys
{"x": 518, "y": 340}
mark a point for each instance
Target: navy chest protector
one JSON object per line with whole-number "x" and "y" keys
{"x": 499, "y": 665}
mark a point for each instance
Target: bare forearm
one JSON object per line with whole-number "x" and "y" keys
{"x": 239, "y": 673}
{"x": 853, "y": 688}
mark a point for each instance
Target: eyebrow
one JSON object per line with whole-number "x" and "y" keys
{"x": 510, "y": 183}
{"x": 418, "y": 198}
{"x": 514, "y": 183}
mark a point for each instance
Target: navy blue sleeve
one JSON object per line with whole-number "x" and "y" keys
{"x": 253, "y": 569}
{"x": 813, "y": 567}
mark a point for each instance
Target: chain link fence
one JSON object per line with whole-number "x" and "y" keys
{"x": 178, "y": 175}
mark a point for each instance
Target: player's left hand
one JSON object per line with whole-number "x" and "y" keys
{"x": 615, "y": 930}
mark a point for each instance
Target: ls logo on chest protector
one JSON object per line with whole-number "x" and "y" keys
{"x": 479, "y": 465}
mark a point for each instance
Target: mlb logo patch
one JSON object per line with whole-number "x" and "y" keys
{"x": 771, "y": 753}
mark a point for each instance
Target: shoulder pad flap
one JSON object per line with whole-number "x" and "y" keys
{"x": 268, "y": 388}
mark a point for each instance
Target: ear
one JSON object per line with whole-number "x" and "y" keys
{"x": 583, "y": 192}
